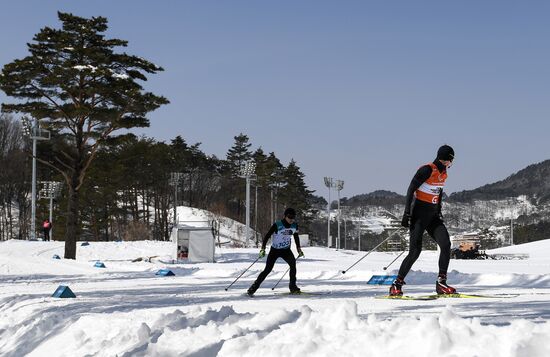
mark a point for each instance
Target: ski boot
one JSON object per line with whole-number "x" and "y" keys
{"x": 395, "y": 288}
{"x": 294, "y": 290}
{"x": 252, "y": 289}
{"x": 441, "y": 286}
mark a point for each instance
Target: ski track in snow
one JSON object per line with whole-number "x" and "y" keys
{"x": 127, "y": 310}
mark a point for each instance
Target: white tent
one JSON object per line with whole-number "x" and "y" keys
{"x": 304, "y": 240}
{"x": 193, "y": 244}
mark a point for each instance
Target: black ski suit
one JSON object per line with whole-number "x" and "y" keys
{"x": 425, "y": 217}
{"x": 275, "y": 253}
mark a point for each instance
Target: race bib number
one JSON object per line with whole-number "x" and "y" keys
{"x": 282, "y": 239}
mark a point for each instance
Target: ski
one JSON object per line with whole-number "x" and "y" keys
{"x": 446, "y": 296}
{"x": 306, "y": 293}
{"x": 471, "y": 296}
{"x": 405, "y": 297}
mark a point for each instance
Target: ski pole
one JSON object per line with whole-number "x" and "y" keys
{"x": 386, "y": 267}
{"x": 370, "y": 251}
{"x": 242, "y": 273}
{"x": 274, "y": 286}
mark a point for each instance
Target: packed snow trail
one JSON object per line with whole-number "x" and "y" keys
{"x": 127, "y": 310}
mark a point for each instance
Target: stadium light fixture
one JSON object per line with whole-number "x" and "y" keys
{"x": 248, "y": 170}
{"x": 339, "y": 186}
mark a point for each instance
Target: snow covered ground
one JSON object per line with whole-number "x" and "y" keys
{"x": 126, "y": 310}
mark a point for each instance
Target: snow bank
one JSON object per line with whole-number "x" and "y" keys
{"x": 299, "y": 332}
{"x": 536, "y": 249}
{"x": 330, "y": 332}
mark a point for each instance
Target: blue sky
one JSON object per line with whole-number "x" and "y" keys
{"x": 364, "y": 91}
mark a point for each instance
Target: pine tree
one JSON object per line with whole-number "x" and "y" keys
{"x": 262, "y": 170}
{"x": 295, "y": 193}
{"x": 238, "y": 154}
{"x": 84, "y": 91}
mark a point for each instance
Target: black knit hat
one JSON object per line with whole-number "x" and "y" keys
{"x": 446, "y": 153}
{"x": 290, "y": 212}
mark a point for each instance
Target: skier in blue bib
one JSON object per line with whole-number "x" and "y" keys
{"x": 281, "y": 232}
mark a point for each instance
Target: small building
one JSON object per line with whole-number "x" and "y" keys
{"x": 193, "y": 244}
{"x": 304, "y": 240}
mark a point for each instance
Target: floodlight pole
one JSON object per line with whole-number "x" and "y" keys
{"x": 33, "y": 130}
{"x": 247, "y": 208}
{"x": 339, "y": 214}
{"x": 33, "y": 199}
{"x": 328, "y": 215}
{"x": 339, "y": 186}
{"x": 328, "y": 183}
{"x": 247, "y": 170}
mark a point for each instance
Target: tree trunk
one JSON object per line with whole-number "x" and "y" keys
{"x": 71, "y": 234}
{"x": 106, "y": 221}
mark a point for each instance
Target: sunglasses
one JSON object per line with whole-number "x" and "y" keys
{"x": 291, "y": 217}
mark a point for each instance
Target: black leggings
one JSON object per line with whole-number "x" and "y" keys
{"x": 425, "y": 217}
{"x": 272, "y": 257}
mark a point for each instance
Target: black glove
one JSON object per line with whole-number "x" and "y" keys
{"x": 440, "y": 215}
{"x": 406, "y": 220}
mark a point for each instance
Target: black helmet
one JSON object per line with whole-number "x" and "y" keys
{"x": 446, "y": 153}
{"x": 290, "y": 213}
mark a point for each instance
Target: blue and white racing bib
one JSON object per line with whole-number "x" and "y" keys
{"x": 283, "y": 237}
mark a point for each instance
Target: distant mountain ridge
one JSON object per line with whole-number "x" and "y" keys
{"x": 523, "y": 197}
{"x": 381, "y": 198}
{"x": 532, "y": 181}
